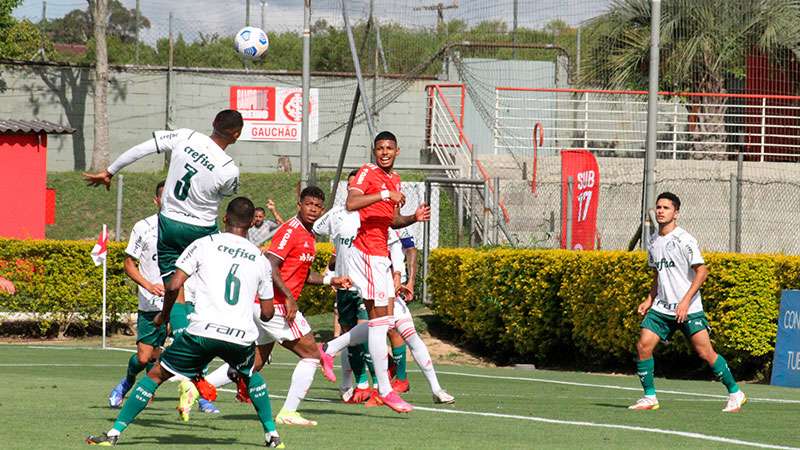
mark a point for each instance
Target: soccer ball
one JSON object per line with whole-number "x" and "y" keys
{"x": 251, "y": 42}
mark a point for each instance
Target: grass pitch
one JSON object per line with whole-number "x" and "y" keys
{"x": 53, "y": 396}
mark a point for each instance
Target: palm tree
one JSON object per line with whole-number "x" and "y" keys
{"x": 703, "y": 44}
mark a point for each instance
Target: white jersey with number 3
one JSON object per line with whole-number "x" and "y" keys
{"x": 142, "y": 248}
{"x": 673, "y": 256}
{"x": 228, "y": 272}
{"x": 200, "y": 175}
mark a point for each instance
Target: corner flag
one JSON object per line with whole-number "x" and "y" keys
{"x": 100, "y": 249}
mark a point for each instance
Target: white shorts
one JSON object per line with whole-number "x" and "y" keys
{"x": 372, "y": 276}
{"x": 277, "y": 330}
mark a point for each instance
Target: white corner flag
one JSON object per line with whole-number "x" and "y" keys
{"x": 100, "y": 248}
{"x": 99, "y": 253}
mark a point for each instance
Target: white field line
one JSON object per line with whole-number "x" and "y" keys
{"x": 685, "y": 434}
{"x": 509, "y": 378}
{"x": 575, "y": 423}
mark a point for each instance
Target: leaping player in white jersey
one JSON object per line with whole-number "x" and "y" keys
{"x": 200, "y": 175}
{"x": 230, "y": 273}
{"x": 342, "y": 226}
{"x": 674, "y": 302}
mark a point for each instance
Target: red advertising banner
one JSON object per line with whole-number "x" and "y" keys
{"x": 273, "y": 113}
{"x": 581, "y": 165}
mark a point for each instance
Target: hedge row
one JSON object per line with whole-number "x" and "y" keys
{"x": 58, "y": 283}
{"x": 555, "y": 306}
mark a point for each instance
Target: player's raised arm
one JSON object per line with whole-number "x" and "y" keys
{"x": 422, "y": 214}
{"x": 161, "y": 141}
{"x": 328, "y": 280}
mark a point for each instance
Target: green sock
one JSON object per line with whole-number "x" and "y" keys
{"x": 133, "y": 368}
{"x": 177, "y": 318}
{"x": 259, "y": 394}
{"x": 723, "y": 373}
{"x": 399, "y": 357}
{"x": 368, "y": 362}
{"x": 355, "y": 355}
{"x": 136, "y": 402}
{"x": 645, "y": 369}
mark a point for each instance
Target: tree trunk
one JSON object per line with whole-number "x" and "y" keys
{"x": 711, "y": 122}
{"x": 100, "y": 155}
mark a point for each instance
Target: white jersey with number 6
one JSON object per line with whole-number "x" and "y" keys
{"x": 673, "y": 256}
{"x": 200, "y": 175}
{"x": 142, "y": 247}
{"x": 228, "y": 272}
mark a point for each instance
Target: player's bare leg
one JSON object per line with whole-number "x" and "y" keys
{"x": 705, "y": 350}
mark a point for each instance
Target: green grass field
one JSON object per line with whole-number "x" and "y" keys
{"x": 52, "y": 396}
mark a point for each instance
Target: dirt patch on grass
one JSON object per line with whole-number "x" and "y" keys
{"x": 443, "y": 352}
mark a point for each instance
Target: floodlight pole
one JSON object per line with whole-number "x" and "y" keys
{"x": 304, "y": 150}
{"x": 649, "y": 184}
{"x": 359, "y": 78}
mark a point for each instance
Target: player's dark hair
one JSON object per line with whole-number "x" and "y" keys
{"x": 676, "y": 202}
{"x": 352, "y": 173}
{"x": 160, "y": 186}
{"x": 260, "y": 209}
{"x": 313, "y": 192}
{"x": 384, "y": 136}
{"x": 228, "y": 121}
{"x": 240, "y": 212}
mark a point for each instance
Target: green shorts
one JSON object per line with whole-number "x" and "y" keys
{"x": 351, "y": 308}
{"x": 665, "y": 325}
{"x": 173, "y": 238}
{"x": 179, "y": 317}
{"x": 189, "y": 355}
{"x": 147, "y": 332}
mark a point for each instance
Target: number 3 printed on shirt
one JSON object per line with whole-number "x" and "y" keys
{"x": 182, "y": 186}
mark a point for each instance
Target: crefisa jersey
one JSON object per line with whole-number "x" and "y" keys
{"x": 200, "y": 175}
{"x": 342, "y": 227}
{"x": 228, "y": 272}
{"x": 673, "y": 256}
{"x": 142, "y": 247}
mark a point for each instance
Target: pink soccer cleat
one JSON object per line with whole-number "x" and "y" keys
{"x": 392, "y": 400}
{"x": 326, "y": 363}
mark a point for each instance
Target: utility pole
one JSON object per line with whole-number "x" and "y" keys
{"x": 649, "y": 182}
{"x": 138, "y": 20}
{"x": 247, "y": 14}
{"x": 304, "y": 144}
{"x": 439, "y": 8}
{"x": 263, "y": 14}
{"x": 514, "y": 29}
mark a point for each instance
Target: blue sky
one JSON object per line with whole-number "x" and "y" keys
{"x": 227, "y": 16}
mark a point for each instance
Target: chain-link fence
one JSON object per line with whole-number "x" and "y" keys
{"x": 728, "y": 73}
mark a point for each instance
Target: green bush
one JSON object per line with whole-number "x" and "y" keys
{"x": 551, "y": 306}
{"x": 58, "y": 283}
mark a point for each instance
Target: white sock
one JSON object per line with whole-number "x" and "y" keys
{"x": 380, "y": 352}
{"x": 113, "y": 432}
{"x": 347, "y": 372}
{"x": 357, "y": 335}
{"x": 302, "y": 377}
{"x": 420, "y": 353}
{"x": 219, "y": 377}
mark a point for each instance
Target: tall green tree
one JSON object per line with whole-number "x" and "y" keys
{"x": 77, "y": 26}
{"x": 703, "y": 44}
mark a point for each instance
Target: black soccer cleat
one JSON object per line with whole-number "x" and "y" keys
{"x": 274, "y": 442}
{"x": 102, "y": 440}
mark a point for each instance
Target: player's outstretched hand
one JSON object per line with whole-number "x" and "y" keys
{"x": 7, "y": 286}
{"x": 407, "y": 292}
{"x": 156, "y": 289}
{"x": 96, "y": 179}
{"x": 291, "y": 308}
{"x": 341, "y": 282}
{"x": 423, "y": 213}
{"x": 270, "y": 205}
{"x": 397, "y": 197}
{"x": 644, "y": 307}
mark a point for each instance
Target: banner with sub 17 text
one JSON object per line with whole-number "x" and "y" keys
{"x": 581, "y": 165}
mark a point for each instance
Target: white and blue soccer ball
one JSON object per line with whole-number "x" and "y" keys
{"x": 251, "y": 42}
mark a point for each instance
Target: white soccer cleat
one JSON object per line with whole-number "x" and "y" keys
{"x": 735, "y": 402}
{"x": 443, "y": 398}
{"x": 645, "y": 403}
{"x": 293, "y": 418}
{"x": 346, "y": 394}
